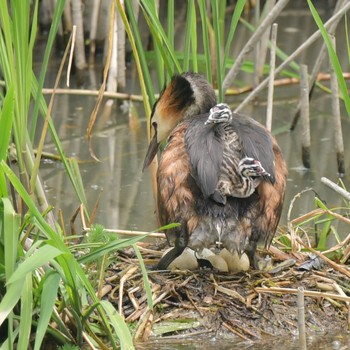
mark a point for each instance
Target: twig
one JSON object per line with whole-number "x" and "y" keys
{"x": 128, "y": 274}
{"x": 234, "y": 331}
{"x": 130, "y": 233}
{"x": 85, "y": 92}
{"x": 301, "y": 318}
{"x": 272, "y": 76}
{"x": 307, "y": 293}
{"x": 74, "y": 34}
{"x": 336, "y": 188}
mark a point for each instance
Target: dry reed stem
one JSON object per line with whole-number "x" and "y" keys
{"x": 69, "y": 68}
{"x": 122, "y": 232}
{"x": 232, "y": 330}
{"x": 272, "y": 76}
{"x": 307, "y": 293}
{"x": 336, "y": 188}
{"x": 338, "y": 135}
{"x": 145, "y": 320}
{"x": 305, "y": 116}
{"x": 301, "y": 318}
{"x": 128, "y": 274}
{"x": 230, "y": 292}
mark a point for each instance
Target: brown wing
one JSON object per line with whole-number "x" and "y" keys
{"x": 176, "y": 202}
{"x": 271, "y": 201}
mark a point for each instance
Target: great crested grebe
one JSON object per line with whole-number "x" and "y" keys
{"x": 221, "y": 175}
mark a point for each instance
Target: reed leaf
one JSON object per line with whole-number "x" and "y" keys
{"x": 234, "y": 21}
{"x": 109, "y": 247}
{"x": 47, "y": 303}
{"x": 216, "y": 26}
{"x": 6, "y": 119}
{"x": 140, "y": 60}
{"x": 190, "y": 38}
{"x": 144, "y": 277}
{"x": 56, "y": 21}
{"x": 118, "y": 325}
{"x": 26, "y": 312}
{"x": 170, "y": 28}
{"x": 333, "y": 56}
{"x": 347, "y": 36}
{"x": 160, "y": 38}
{"x": 205, "y": 38}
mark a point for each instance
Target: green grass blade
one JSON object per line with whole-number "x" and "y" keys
{"x": 6, "y": 117}
{"x": 118, "y": 325}
{"x": 333, "y": 57}
{"x": 9, "y": 232}
{"x": 157, "y": 52}
{"x": 170, "y": 27}
{"x": 56, "y": 20}
{"x": 78, "y": 181}
{"x": 160, "y": 37}
{"x": 109, "y": 247}
{"x": 144, "y": 277}
{"x": 205, "y": 38}
{"x": 47, "y": 304}
{"x": 188, "y": 35}
{"x": 216, "y": 26}
{"x": 10, "y": 299}
{"x": 194, "y": 43}
{"x": 347, "y": 36}
{"x": 139, "y": 56}
{"x": 25, "y": 323}
{"x": 41, "y": 257}
{"x": 234, "y": 21}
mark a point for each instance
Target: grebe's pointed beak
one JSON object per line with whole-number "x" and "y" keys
{"x": 151, "y": 152}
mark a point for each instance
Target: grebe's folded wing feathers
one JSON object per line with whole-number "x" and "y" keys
{"x": 205, "y": 150}
{"x": 256, "y": 142}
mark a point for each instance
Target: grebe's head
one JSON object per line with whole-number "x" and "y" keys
{"x": 186, "y": 95}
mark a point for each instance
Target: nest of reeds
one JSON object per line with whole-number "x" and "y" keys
{"x": 250, "y": 305}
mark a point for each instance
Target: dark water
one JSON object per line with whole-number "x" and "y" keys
{"x": 124, "y": 193}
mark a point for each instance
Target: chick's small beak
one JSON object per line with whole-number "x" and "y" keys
{"x": 151, "y": 152}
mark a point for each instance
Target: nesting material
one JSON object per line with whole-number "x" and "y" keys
{"x": 249, "y": 304}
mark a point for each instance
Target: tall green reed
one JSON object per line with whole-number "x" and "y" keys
{"x": 41, "y": 280}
